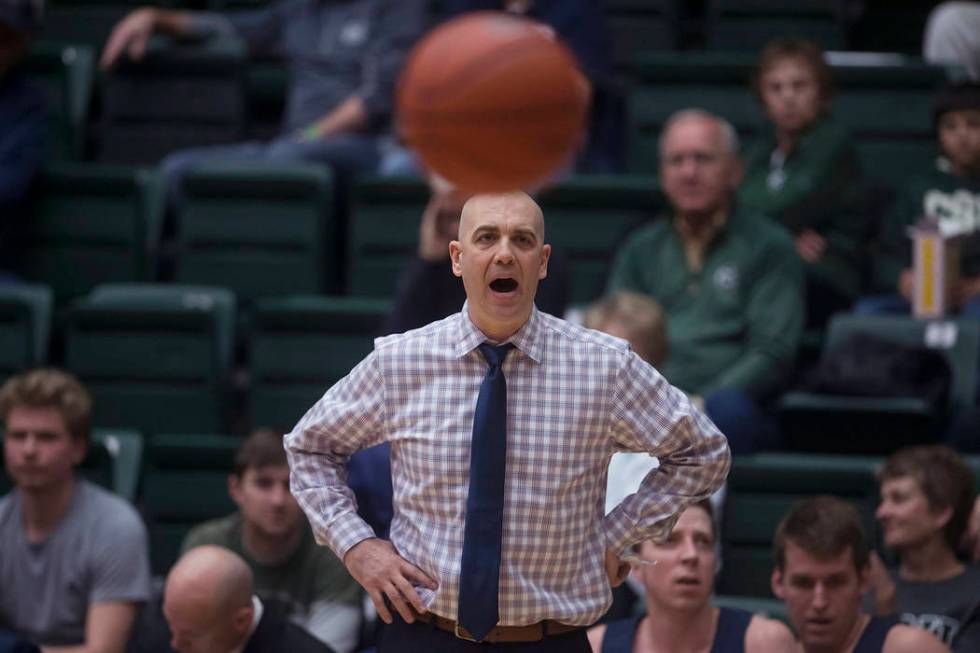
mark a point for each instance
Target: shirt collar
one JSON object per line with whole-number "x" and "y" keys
{"x": 527, "y": 338}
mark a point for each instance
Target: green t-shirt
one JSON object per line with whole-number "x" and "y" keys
{"x": 953, "y": 201}
{"x": 817, "y": 188}
{"x": 737, "y": 322}
{"x": 311, "y": 574}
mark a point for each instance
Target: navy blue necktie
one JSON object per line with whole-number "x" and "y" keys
{"x": 479, "y": 574}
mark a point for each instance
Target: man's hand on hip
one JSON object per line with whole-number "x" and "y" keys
{"x": 376, "y": 565}
{"x": 616, "y": 569}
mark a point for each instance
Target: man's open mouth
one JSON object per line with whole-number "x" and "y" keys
{"x": 503, "y": 285}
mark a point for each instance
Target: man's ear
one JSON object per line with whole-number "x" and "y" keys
{"x": 776, "y": 584}
{"x": 242, "y": 619}
{"x": 235, "y": 489}
{"x": 864, "y": 579}
{"x": 545, "y": 257}
{"x": 456, "y": 255}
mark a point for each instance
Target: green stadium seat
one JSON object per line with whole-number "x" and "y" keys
{"x": 92, "y": 225}
{"x": 636, "y": 26}
{"x": 260, "y": 230}
{"x": 750, "y": 24}
{"x": 155, "y": 357}
{"x": 846, "y": 424}
{"x": 762, "y": 488}
{"x": 66, "y": 74}
{"x": 25, "y": 327}
{"x": 300, "y": 346}
{"x": 588, "y": 217}
{"x": 772, "y": 608}
{"x": 87, "y": 22}
{"x": 185, "y": 482}
{"x": 383, "y": 232}
{"x": 112, "y": 462}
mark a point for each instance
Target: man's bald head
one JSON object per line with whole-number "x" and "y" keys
{"x": 208, "y": 600}
{"x": 500, "y": 204}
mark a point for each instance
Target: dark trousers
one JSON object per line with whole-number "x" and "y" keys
{"x": 400, "y": 637}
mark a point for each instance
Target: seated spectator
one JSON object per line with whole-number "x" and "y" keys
{"x": 927, "y": 494}
{"x": 678, "y": 579}
{"x": 22, "y": 128}
{"x": 209, "y": 607}
{"x": 429, "y": 291}
{"x": 271, "y": 535}
{"x": 73, "y": 557}
{"x": 952, "y": 36}
{"x": 805, "y": 173}
{"x": 636, "y": 318}
{"x": 343, "y": 60}
{"x": 948, "y": 195}
{"x": 728, "y": 280}
{"x": 821, "y": 570}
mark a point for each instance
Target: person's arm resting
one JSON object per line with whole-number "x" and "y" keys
{"x": 107, "y": 627}
{"x": 649, "y": 415}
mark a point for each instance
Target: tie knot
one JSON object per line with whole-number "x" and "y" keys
{"x": 495, "y": 355}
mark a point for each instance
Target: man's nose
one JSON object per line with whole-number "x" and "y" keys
{"x": 819, "y": 597}
{"x": 504, "y": 253}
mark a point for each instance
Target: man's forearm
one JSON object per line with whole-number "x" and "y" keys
{"x": 351, "y": 115}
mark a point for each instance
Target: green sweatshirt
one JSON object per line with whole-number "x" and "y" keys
{"x": 737, "y": 322}
{"x": 954, "y": 201}
{"x": 820, "y": 190}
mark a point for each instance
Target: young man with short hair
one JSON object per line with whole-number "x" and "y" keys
{"x": 271, "y": 534}
{"x": 73, "y": 557}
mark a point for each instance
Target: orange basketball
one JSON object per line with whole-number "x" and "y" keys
{"x": 492, "y": 102}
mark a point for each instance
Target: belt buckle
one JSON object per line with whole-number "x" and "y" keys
{"x": 461, "y": 636}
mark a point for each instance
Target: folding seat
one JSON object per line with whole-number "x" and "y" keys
{"x": 66, "y": 75}
{"x": 155, "y": 357}
{"x": 25, "y": 327}
{"x": 185, "y": 482}
{"x": 749, "y": 24}
{"x": 762, "y": 488}
{"x": 879, "y": 425}
{"x": 91, "y": 225}
{"x": 382, "y": 233}
{"x": 300, "y": 346}
{"x": 588, "y": 217}
{"x": 259, "y": 230}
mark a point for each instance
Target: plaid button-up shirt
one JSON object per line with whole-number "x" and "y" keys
{"x": 574, "y": 397}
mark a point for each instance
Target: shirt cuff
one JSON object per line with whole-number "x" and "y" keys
{"x": 345, "y": 532}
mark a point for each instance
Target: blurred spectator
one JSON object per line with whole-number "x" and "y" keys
{"x": 948, "y": 195}
{"x": 678, "y": 577}
{"x": 953, "y": 36}
{"x": 636, "y": 318}
{"x": 805, "y": 173}
{"x": 209, "y": 607}
{"x": 429, "y": 291}
{"x": 821, "y": 569}
{"x": 580, "y": 25}
{"x": 927, "y": 495}
{"x": 271, "y": 535}
{"x": 728, "y": 280}
{"x": 22, "y": 127}
{"x": 343, "y": 60}
{"x": 73, "y": 557}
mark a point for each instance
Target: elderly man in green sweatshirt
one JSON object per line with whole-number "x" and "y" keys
{"x": 729, "y": 281}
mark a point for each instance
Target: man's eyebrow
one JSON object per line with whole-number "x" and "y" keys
{"x": 486, "y": 227}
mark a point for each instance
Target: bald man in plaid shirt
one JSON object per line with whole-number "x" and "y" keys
{"x": 573, "y": 398}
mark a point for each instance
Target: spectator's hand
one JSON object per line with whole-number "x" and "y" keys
{"x": 130, "y": 34}
{"x": 966, "y": 289}
{"x": 971, "y": 538}
{"x": 616, "y": 569}
{"x": 882, "y": 586}
{"x": 810, "y": 246}
{"x": 906, "y": 284}
{"x": 376, "y": 565}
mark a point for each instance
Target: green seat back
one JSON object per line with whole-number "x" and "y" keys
{"x": 383, "y": 233}
{"x": 762, "y": 488}
{"x": 300, "y": 346}
{"x": 750, "y": 24}
{"x": 66, "y": 74}
{"x": 588, "y": 217}
{"x": 92, "y": 225}
{"x": 636, "y": 26}
{"x": 185, "y": 482}
{"x": 88, "y": 22}
{"x": 25, "y": 327}
{"x": 258, "y": 230}
{"x": 155, "y": 357}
